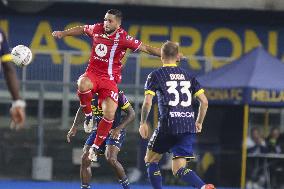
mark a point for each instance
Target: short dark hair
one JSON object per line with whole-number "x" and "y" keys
{"x": 116, "y": 13}
{"x": 170, "y": 49}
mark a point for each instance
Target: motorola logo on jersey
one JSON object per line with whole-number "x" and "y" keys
{"x": 101, "y": 50}
{"x": 182, "y": 114}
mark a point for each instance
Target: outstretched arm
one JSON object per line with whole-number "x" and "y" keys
{"x": 150, "y": 50}
{"x": 77, "y": 30}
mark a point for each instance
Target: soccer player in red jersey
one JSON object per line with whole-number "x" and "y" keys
{"x": 110, "y": 43}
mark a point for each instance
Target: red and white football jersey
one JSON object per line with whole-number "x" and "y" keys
{"x": 108, "y": 50}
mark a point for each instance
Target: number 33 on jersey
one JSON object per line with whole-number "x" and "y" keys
{"x": 175, "y": 89}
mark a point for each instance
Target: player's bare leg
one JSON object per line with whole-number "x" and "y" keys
{"x": 179, "y": 169}
{"x": 85, "y": 95}
{"x": 109, "y": 108}
{"x": 85, "y": 169}
{"x": 111, "y": 157}
{"x": 154, "y": 174}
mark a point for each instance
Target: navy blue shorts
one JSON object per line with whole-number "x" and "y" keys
{"x": 108, "y": 141}
{"x": 180, "y": 145}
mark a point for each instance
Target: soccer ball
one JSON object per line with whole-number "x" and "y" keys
{"x": 21, "y": 55}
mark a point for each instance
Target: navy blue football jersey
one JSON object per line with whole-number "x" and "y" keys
{"x": 123, "y": 104}
{"x": 175, "y": 88}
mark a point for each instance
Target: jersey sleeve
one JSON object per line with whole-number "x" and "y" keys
{"x": 5, "y": 55}
{"x": 123, "y": 101}
{"x": 131, "y": 43}
{"x": 90, "y": 30}
{"x": 196, "y": 88}
{"x": 151, "y": 84}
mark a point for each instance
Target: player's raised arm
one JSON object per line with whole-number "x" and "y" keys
{"x": 156, "y": 51}
{"x": 77, "y": 30}
{"x": 202, "y": 110}
{"x": 150, "y": 50}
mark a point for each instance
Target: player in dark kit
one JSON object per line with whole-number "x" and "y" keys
{"x": 18, "y": 105}
{"x": 175, "y": 88}
{"x": 109, "y": 44}
{"x": 112, "y": 144}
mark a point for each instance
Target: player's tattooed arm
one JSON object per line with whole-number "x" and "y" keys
{"x": 202, "y": 108}
{"x": 150, "y": 50}
{"x": 146, "y": 107}
{"x": 79, "y": 118}
{"x": 130, "y": 116}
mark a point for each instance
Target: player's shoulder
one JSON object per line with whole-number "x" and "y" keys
{"x": 121, "y": 94}
{"x": 153, "y": 73}
{"x": 123, "y": 34}
{"x": 122, "y": 99}
{"x": 95, "y": 96}
{"x": 97, "y": 27}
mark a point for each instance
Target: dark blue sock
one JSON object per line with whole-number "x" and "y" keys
{"x": 85, "y": 186}
{"x": 154, "y": 175}
{"x": 124, "y": 183}
{"x": 190, "y": 177}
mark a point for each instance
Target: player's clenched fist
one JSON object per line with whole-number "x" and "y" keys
{"x": 144, "y": 130}
{"x": 58, "y": 34}
{"x": 18, "y": 117}
{"x": 198, "y": 127}
{"x": 71, "y": 133}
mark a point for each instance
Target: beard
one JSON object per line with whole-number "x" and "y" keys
{"x": 109, "y": 31}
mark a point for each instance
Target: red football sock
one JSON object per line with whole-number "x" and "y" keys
{"x": 85, "y": 101}
{"x": 102, "y": 131}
